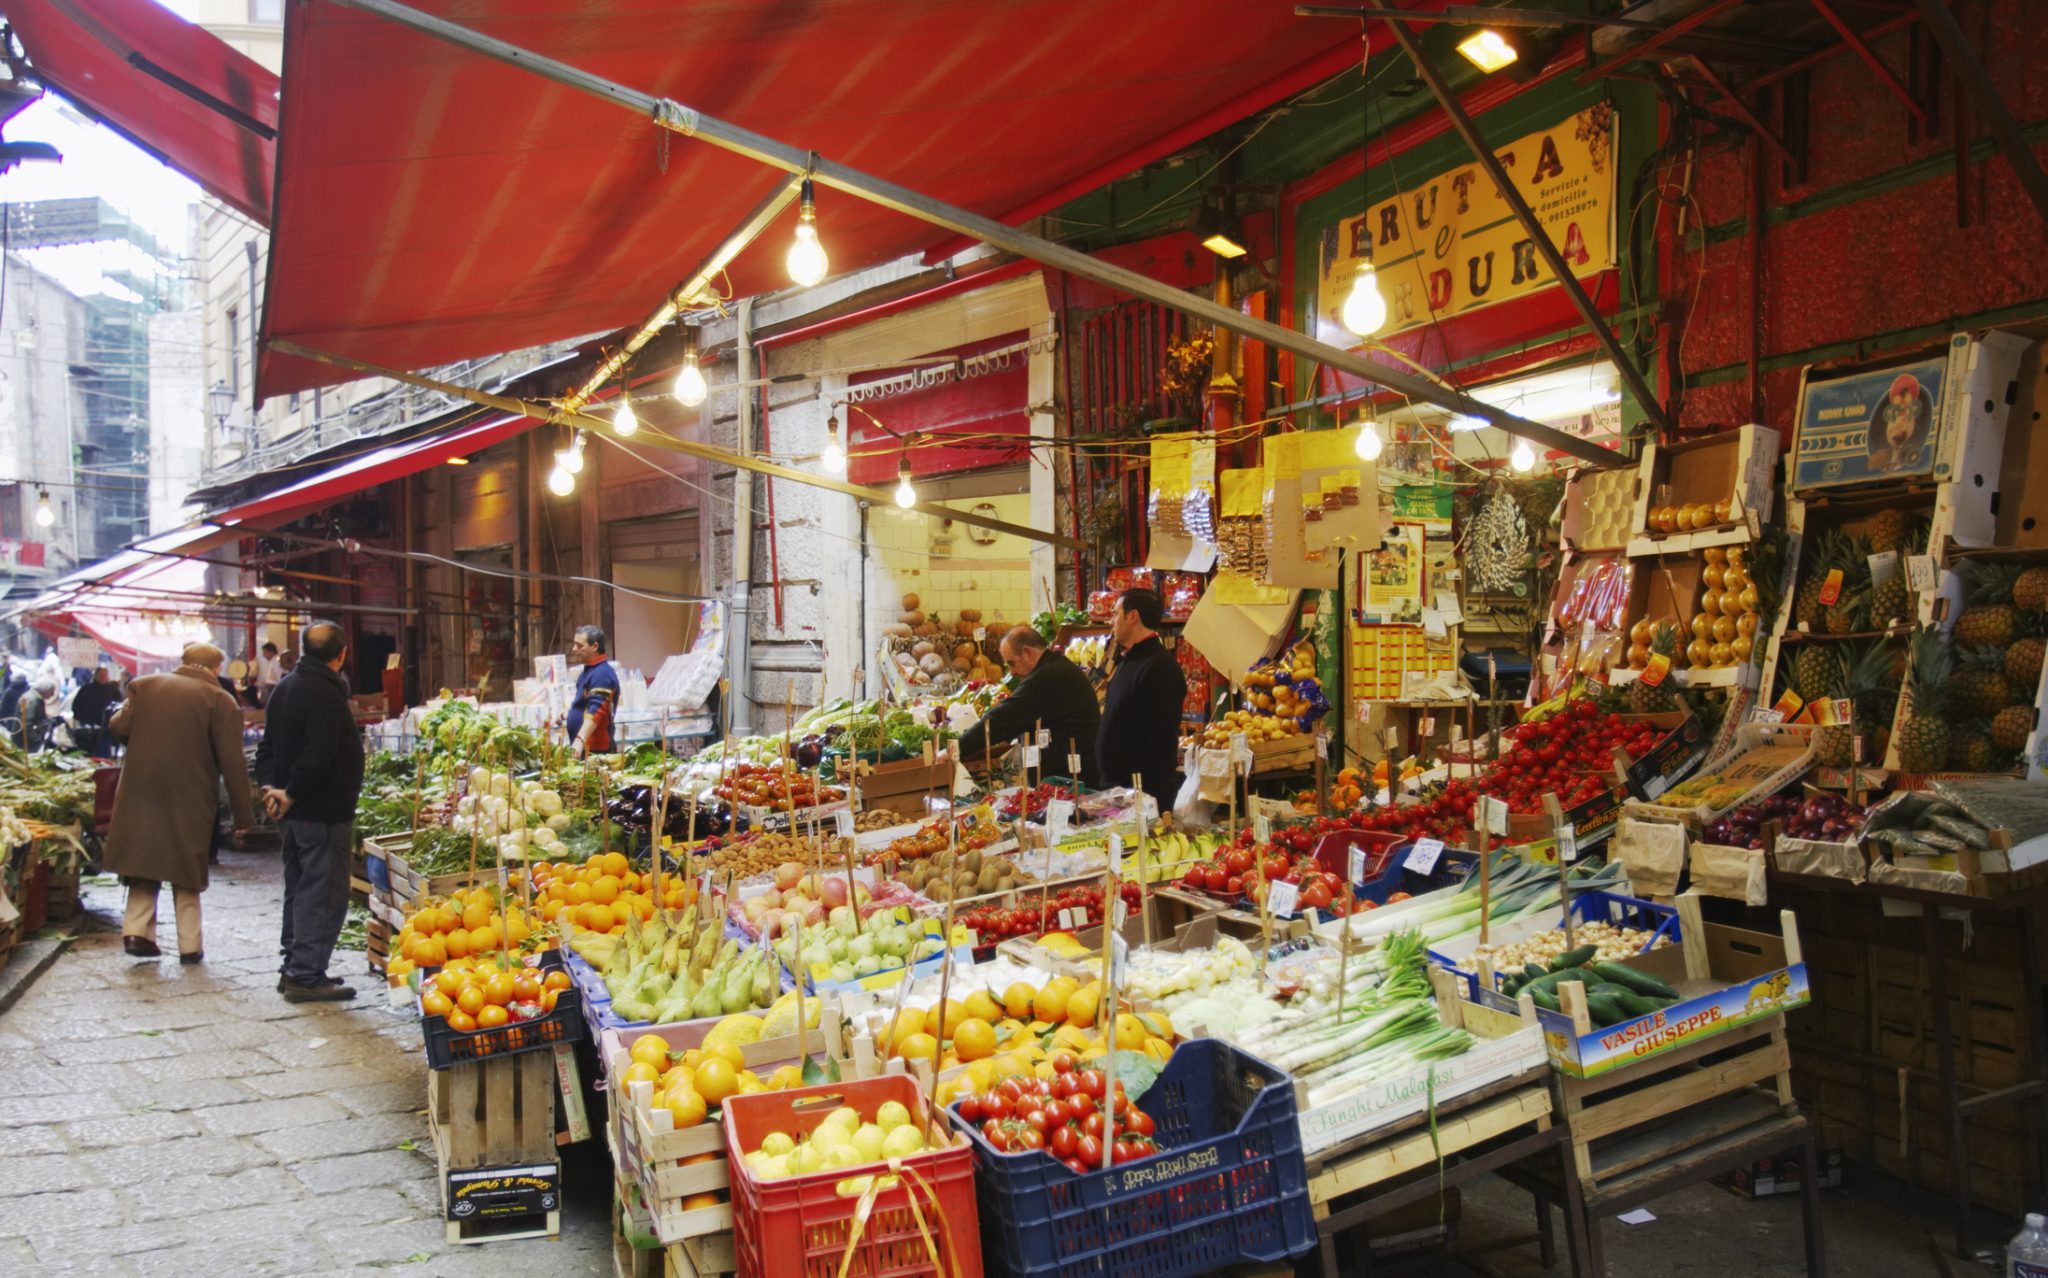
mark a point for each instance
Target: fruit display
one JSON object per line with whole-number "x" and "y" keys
{"x": 487, "y": 993}
{"x": 1614, "y": 991}
{"x": 1868, "y": 675}
{"x": 1030, "y": 803}
{"x": 604, "y": 892}
{"x": 691, "y": 1084}
{"x": 876, "y": 819}
{"x": 932, "y": 838}
{"x": 1594, "y": 939}
{"x": 1923, "y": 737}
{"x": 1690, "y": 517}
{"x": 767, "y": 786}
{"x": 1078, "y": 905}
{"x": 1076, "y": 1116}
{"x": 1256, "y": 727}
{"x": 1234, "y": 874}
{"x": 957, "y": 875}
{"x": 1821, "y": 815}
{"x": 844, "y": 949}
{"x": 664, "y": 974}
{"x": 462, "y": 925}
{"x": 1286, "y": 688}
{"x": 842, "y": 1142}
{"x": 1570, "y": 754}
{"x": 754, "y": 853}
{"x": 1016, "y": 1029}
{"x": 798, "y": 896}
{"x": 1707, "y": 790}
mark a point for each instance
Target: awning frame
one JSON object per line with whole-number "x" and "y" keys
{"x": 676, "y": 117}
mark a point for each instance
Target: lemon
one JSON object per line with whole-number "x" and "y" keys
{"x": 903, "y": 1141}
{"x": 840, "y": 1157}
{"x": 846, "y": 1118}
{"x": 777, "y": 1168}
{"x": 777, "y": 1143}
{"x": 868, "y": 1142}
{"x": 891, "y": 1116}
{"x": 738, "y": 1029}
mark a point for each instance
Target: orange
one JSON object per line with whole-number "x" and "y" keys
{"x": 547, "y": 999}
{"x": 716, "y": 1080}
{"x": 685, "y": 1106}
{"x": 457, "y": 943}
{"x": 475, "y": 915}
{"x": 526, "y": 987}
{"x": 956, "y": 1013}
{"x": 471, "y": 1000}
{"x": 450, "y": 983}
{"x": 708, "y": 1198}
{"x": 461, "y": 1020}
{"x": 1017, "y": 999}
{"x": 920, "y": 1047}
{"x": 974, "y": 1039}
{"x": 579, "y": 894}
{"x": 1050, "y": 1003}
{"x": 615, "y": 863}
{"x": 727, "y": 1051}
{"x": 600, "y": 918}
{"x": 499, "y": 987}
{"x": 980, "y": 1004}
{"x": 555, "y": 980}
{"x": 651, "y": 1049}
{"x": 605, "y": 890}
{"x": 483, "y": 940}
{"x": 430, "y": 952}
{"x": 492, "y": 1016}
{"x": 641, "y": 1072}
{"x": 435, "y": 1003}
{"x": 1081, "y": 1008}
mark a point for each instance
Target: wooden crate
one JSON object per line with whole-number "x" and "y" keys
{"x": 631, "y": 1230}
{"x": 63, "y": 905}
{"x": 409, "y": 886}
{"x": 706, "y": 1256}
{"x": 1287, "y": 754}
{"x": 669, "y": 1166}
{"x": 495, "y": 1115}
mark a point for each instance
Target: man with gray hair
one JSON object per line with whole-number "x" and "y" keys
{"x": 184, "y": 736}
{"x": 1054, "y": 694}
{"x": 597, "y": 694}
{"x": 311, "y": 767}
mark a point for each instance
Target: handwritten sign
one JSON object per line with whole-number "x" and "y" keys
{"x": 1493, "y": 815}
{"x": 842, "y": 823}
{"x": 1283, "y": 897}
{"x": 1422, "y": 858}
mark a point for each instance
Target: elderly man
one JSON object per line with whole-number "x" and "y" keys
{"x": 311, "y": 766}
{"x": 1054, "y": 694}
{"x": 1141, "y": 710}
{"x": 597, "y": 694}
{"x": 184, "y": 736}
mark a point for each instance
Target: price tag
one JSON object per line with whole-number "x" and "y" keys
{"x": 1567, "y": 844}
{"x": 1240, "y": 750}
{"x": 1845, "y": 710}
{"x": 1282, "y": 897}
{"x": 1920, "y": 573}
{"x": 1763, "y": 714}
{"x": 1427, "y": 728}
{"x": 1356, "y": 865}
{"x": 1058, "y": 813}
{"x": 1393, "y": 738}
{"x": 1119, "y": 959}
{"x": 1433, "y": 624}
{"x": 504, "y": 888}
{"x": 981, "y": 634}
{"x": 704, "y": 884}
{"x": 1322, "y": 745}
{"x": 842, "y": 823}
{"x": 1074, "y": 766}
{"x": 1116, "y": 854}
{"x": 973, "y": 938}
{"x": 1423, "y": 856}
{"x": 1493, "y": 814}
{"x": 1831, "y": 587}
{"x": 1856, "y": 749}
{"x": 1883, "y": 566}
{"x": 1030, "y": 755}
{"x": 1120, "y": 910}
{"x": 1262, "y": 828}
{"x": 927, "y": 754}
{"x": 1066, "y": 920}
{"x": 1044, "y": 738}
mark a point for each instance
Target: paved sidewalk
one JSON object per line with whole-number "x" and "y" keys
{"x": 161, "y": 1119}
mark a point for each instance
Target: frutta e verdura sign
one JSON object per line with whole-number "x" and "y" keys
{"x": 1879, "y": 425}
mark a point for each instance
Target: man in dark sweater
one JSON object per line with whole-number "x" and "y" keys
{"x": 311, "y": 767}
{"x": 1054, "y": 693}
{"x": 1141, "y": 712}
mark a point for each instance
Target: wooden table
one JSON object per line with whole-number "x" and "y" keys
{"x": 1476, "y": 1134}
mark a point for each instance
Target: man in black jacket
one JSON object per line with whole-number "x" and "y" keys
{"x": 1054, "y": 693}
{"x": 311, "y": 768}
{"x": 1141, "y": 712}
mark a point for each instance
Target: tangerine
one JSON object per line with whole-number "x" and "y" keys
{"x": 555, "y": 980}
{"x": 483, "y": 940}
{"x": 435, "y": 1003}
{"x": 461, "y": 1020}
{"x": 651, "y": 1049}
{"x": 470, "y": 1000}
{"x": 685, "y": 1107}
{"x": 492, "y": 1016}
{"x": 499, "y": 988}
{"x": 457, "y": 943}
{"x": 974, "y": 1039}
{"x": 716, "y": 1080}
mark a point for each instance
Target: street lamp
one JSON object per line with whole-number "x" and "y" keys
{"x": 220, "y": 401}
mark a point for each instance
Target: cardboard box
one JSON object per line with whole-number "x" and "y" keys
{"x": 1768, "y": 1177}
{"x": 1937, "y": 418}
{"x": 1736, "y": 466}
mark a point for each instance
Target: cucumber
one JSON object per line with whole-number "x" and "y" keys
{"x": 1575, "y": 958}
{"x": 1635, "y": 1004}
{"x": 1605, "y": 1010}
{"x": 1530, "y": 971}
{"x": 1639, "y": 981}
{"x": 1546, "y": 998}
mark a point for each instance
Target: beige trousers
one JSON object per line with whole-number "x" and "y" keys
{"x": 141, "y": 917}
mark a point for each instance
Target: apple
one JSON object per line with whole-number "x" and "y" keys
{"x": 788, "y": 875}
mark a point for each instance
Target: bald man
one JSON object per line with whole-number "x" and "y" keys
{"x": 184, "y": 737}
{"x": 1054, "y": 693}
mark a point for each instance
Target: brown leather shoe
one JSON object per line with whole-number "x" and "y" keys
{"x": 140, "y": 947}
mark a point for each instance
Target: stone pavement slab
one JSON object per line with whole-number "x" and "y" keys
{"x": 173, "y": 1120}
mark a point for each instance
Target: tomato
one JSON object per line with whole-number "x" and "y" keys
{"x": 1035, "y": 1120}
{"x": 1124, "y": 1152}
{"x": 995, "y": 1106}
{"x": 1064, "y": 1063}
{"x": 1063, "y": 1139}
{"x": 1080, "y": 1104}
{"x": 1092, "y": 1082}
{"x": 992, "y": 1132}
{"x": 1140, "y": 1122}
{"x": 1237, "y": 861}
{"x": 1056, "y": 1113}
{"x": 1089, "y": 1150}
{"x": 1092, "y": 1126}
{"x": 1010, "y": 1088}
{"x": 970, "y": 1109}
{"x": 1234, "y": 884}
{"x": 1076, "y": 1166}
{"x": 1030, "y": 1138}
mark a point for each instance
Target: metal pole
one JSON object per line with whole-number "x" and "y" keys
{"x": 720, "y": 456}
{"x": 2011, "y": 142}
{"x": 673, "y": 115}
{"x": 739, "y": 639}
{"x": 1462, "y": 122}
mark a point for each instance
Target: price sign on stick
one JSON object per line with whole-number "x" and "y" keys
{"x": 1356, "y": 864}
{"x": 1494, "y": 814}
{"x": 1031, "y": 755}
{"x": 1567, "y": 844}
{"x": 1262, "y": 828}
{"x": 1058, "y": 813}
{"x": 1322, "y": 745}
{"x": 1116, "y": 854}
{"x": 1283, "y": 897}
{"x": 1422, "y": 858}
{"x": 842, "y": 824}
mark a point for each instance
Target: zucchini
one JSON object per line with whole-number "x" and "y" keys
{"x": 1639, "y": 981}
{"x": 1635, "y": 1004}
{"x": 1530, "y": 971}
{"x": 1545, "y": 998}
{"x": 1575, "y": 958}
{"x": 1605, "y": 1010}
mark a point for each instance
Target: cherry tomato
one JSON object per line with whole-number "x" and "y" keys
{"x": 995, "y": 1105}
{"x": 1030, "y": 1138}
{"x": 1080, "y": 1105}
{"x": 1091, "y": 1082}
{"x": 1076, "y": 1166}
{"x": 1140, "y": 1122}
{"x": 992, "y": 1132}
{"x": 970, "y": 1109}
{"x": 1056, "y": 1113}
{"x": 1092, "y": 1126}
{"x": 1063, "y": 1063}
{"x": 1063, "y": 1139}
{"x": 1089, "y": 1150}
{"x": 1035, "y": 1120}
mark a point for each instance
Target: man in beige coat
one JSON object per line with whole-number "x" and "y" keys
{"x": 184, "y": 735}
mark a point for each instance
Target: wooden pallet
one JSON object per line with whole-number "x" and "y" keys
{"x": 494, "y": 1114}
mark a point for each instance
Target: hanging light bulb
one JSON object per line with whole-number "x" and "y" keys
{"x": 833, "y": 459}
{"x": 690, "y": 388}
{"x": 906, "y": 492}
{"x": 560, "y": 482}
{"x": 624, "y": 424}
{"x": 45, "y": 516}
{"x": 570, "y": 459}
{"x": 1365, "y": 311}
{"x": 807, "y": 263}
{"x": 1369, "y": 442}
{"x": 1523, "y": 458}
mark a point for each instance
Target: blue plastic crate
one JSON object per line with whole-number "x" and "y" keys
{"x": 1229, "y": 1187}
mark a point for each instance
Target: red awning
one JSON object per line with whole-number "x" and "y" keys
{"x": 175, "y": 90}
{"x": 378, "y": 466}
{"x": 436, "y": 205}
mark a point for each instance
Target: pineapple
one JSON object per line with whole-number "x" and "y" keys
{"x": 1816, "y": 671}
{"x": 2023, "y": 663}
{"x": 1891, "y": 529}
{"x": 1645, "y": 699}
{"x": 2010, "y": 727}
{"x": 1835, "y": 746}
{"x": 2030, "y": 590}
{"x": 1889, "y": 601}
{"x": 1850, "y": 612}
{"x": 1979, "y": 688}
{"x": 1923, "y": 738}
{"x": 1990, "y": 617}
{"x": 1970, "y": 752}
{"x": 1868, "y": 675}
{"x": 1807, "y": 608}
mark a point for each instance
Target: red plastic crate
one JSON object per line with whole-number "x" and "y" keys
{"x": 1333, "y": 851}
{"x": 798, "y": 1227}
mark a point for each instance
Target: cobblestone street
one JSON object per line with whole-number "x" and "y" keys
{"x": 162, "y": 1119}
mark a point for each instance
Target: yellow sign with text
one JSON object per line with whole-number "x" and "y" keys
{"x": 1452, "y": 245}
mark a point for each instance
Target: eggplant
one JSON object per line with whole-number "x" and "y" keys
{"x": 809, "y": 752}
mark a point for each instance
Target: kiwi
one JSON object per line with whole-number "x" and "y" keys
{"x": 988, "y": 880}
{"x": 1006, "y": 883}
{"x": 939, "y": 890}
{"x": 973, "y": 861}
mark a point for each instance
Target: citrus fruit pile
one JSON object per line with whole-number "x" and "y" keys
{"x": 482, "y": 993}
{"x": 598, "y": 895}
{"x": 691, "y": 1084}
{"x": 843, "y": 1140}
{"x": 463, "y": 924}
